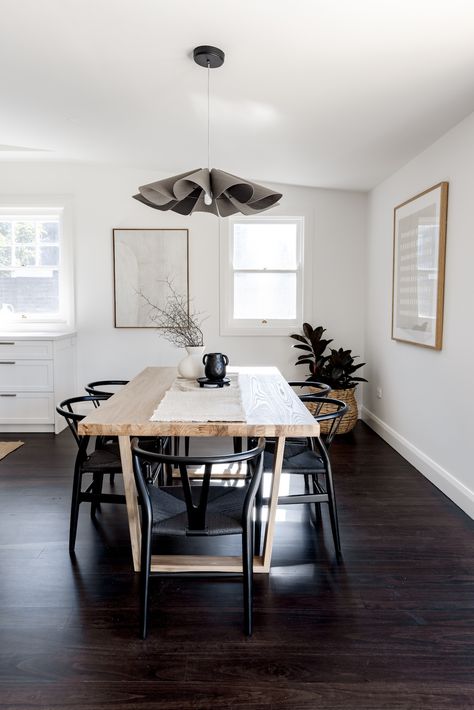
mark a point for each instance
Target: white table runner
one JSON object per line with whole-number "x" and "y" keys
{"x": 186, "y": 401}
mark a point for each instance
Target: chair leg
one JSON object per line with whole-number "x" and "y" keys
{"x": 75, "y": 501}
{"x": 186, "y": 445}
{"x": 318, "y": 517}
{"x": 247, "y": 566}
{"x": 310, "y": 487}
{"x": 160, "y": 479}
{"x": 168, "y": 449}
{"x": 237, "y": 444}
{"x": 175, "y": 445}
{"x": 307, "y": 483}
{"x": 112, "y": 479}
{"x": 98, "y": 480}
{"x": 258, "y": 518}
{"x": 144, "y": 580}
{"x": 333, "y": 512}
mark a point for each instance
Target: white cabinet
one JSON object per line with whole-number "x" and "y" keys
{"x": 36, "y": 372}
{"x": 26, "y": 375}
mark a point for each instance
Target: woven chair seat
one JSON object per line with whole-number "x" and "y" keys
{"x": 223, "y": 515}
{"x": 297, "y": 459}
{"x": 102, "y": 461}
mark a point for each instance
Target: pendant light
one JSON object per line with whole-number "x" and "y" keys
{"x": 206, "y": 189}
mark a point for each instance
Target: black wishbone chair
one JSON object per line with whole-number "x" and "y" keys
{"x": 197, "y": 508}
{"x": 105, "y": 442}
{"x": 309, "y": 458}
{"x": 95, "y": 388}
{"x": 97, "y": 463}
{"x": 92, "y": 388}
{"x": 104, "y": 389}
{"x": 320, "y": 389}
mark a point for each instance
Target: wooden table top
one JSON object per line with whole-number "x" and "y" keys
{"x": 272, "y": 408}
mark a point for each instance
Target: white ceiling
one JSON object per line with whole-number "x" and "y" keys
{"x": 332, "y": 93}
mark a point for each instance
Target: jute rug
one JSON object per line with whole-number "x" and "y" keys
{"x": 6, "y": 447}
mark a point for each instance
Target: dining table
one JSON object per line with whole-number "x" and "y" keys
{"x": 271, "y": 409}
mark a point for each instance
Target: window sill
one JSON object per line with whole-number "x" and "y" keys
{"x": 35, "y": 327}
{"x": 259, "y": 330}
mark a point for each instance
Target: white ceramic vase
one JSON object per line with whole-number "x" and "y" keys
{"x": 191, "y": 366}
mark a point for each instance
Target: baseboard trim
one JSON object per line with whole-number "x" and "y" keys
{"x": 26, "y": 428}
{"x": 442, "y": 479}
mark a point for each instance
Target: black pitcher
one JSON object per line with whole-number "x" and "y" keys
{"x": 214, "y": 365}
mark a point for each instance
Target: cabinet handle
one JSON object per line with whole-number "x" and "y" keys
{"x": 7, "y": 343}
{"x": 7, "y": 395}
{"x": 7, "y": 362}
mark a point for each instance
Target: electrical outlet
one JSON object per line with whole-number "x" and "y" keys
{"x": 379, "y": 393}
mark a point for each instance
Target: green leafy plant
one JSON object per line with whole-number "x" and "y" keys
{"x": 313, "y": 346}
{"x": 336, "y": 369}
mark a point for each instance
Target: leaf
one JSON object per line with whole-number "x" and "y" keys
{"x": 301, "y": 338}
{"x": 306, "y": 360}
{"x": 307, "y": 330}
{"x": 303, "y": 347}
{"x": 320, "y": 346}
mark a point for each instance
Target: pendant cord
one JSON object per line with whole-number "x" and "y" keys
{"x": 208, "y": 118}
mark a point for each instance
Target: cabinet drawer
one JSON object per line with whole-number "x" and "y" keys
{"x": 26, "y": 375}
{"x": 11, "y": 349}
{"x": 27, "y": 408}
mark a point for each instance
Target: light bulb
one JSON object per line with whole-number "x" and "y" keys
{"x": 207, "y": 199}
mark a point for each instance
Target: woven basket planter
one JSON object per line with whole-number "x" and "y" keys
{"x": 349, "y": 420}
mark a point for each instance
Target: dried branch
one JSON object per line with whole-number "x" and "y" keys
{"x": 178, "y": 324}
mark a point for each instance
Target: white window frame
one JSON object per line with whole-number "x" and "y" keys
{"x": 38, "y": 207}
{"x": 266, "y": 327}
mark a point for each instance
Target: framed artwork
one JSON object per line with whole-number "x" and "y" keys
{"x": 419, "y": 253}
{"x": 144, "y": 261}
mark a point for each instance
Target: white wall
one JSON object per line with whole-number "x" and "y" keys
{"x": 336, "y": 228}
{"x": 427, "y": 407}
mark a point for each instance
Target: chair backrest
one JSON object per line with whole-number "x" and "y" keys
{"x": 195, "y": 496}
{"x": 320, "y": 389}
{"x": 328, "y": 410}
{"x": 96, "y": 388}
{"x": 68, "y": 409}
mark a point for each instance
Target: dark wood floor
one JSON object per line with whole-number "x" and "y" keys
{"x": 390, "y": 627}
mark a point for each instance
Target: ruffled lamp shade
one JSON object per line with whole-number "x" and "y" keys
{"x": 225, "y": 194}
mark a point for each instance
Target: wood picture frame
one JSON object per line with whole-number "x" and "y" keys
{"x": 145, "y": 259}
{"x": 419, "y": 258}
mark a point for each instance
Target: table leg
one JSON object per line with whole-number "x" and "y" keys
{"x": 273, "y": 503}
{"x": 187, "y": 564}
{"x": 131, "y": 498}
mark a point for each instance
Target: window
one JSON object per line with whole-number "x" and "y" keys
{"x": 262, "y": 276}
{"x": 35, "y": 279}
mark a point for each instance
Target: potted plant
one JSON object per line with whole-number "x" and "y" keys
{"x": 314, "y": 347}
{"x": 335, "y": 369}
